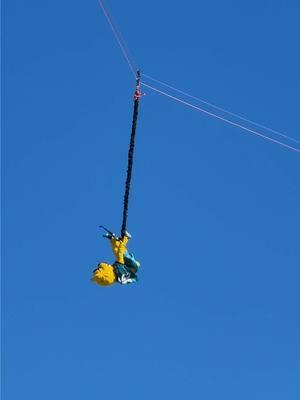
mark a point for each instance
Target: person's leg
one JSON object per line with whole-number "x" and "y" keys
{"x": 119, "y": 248}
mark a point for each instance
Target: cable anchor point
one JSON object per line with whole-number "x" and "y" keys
{"x": 138, "y": 93}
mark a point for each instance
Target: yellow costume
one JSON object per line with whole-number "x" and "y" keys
{"x": 119, "y": 248}
{"x": 104, "y": 275}
{"x": 123, "y": 270}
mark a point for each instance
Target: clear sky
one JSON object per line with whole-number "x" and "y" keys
{"x": 214, "y": 211}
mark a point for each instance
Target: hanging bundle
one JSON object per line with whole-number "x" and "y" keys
{"x": 124, "y": 269}
{"x": 136, "y": 97}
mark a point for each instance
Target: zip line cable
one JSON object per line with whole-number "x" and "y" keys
{"x": 122, "y": 40}
{"x": 221, "y": 118}
{"x": 118, "y": 38}
{"x": 131, "y": 64}
{"x": 221, "y": 109}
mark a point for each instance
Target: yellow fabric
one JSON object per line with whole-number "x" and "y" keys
{"x": 104, "y": 275}
{"x": 119, "y": 248}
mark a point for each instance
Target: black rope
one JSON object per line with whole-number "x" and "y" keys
{"x": 131, "y": 154}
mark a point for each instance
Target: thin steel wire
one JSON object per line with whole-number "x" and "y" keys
{"x": 252, "y": 131}
{"x": 222, "y": 109}
{"x": 118, "y": 39}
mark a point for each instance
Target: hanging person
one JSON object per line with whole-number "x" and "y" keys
{"x": 124, "y": 269}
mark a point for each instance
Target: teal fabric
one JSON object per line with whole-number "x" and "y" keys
{"x": 123, "y": 270}
{"x": 131, "y": 262}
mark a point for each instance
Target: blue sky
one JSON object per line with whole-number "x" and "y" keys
{"x": 214, "y": 212}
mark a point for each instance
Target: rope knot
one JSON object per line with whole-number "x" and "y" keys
{"x": 138, "y": 93}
